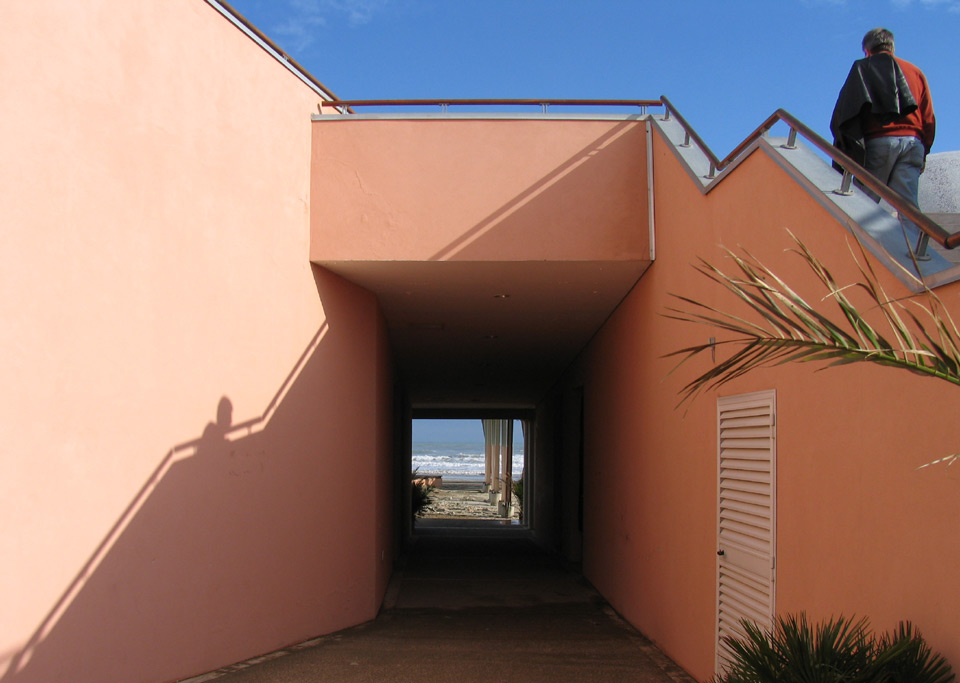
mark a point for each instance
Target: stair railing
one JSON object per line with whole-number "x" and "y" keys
{"x": 851, "y": 170}
{"x": 444, "y": 105}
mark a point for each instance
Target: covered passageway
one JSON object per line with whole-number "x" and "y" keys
{"x": 230, "y": 297}
{"x": 496, "y": 246}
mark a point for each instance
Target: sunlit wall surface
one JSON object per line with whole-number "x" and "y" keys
{"x": 193, "y": 426}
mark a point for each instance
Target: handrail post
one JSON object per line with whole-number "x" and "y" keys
{"x": 844, "y": 188}
{"x": 544, "y": 106}
{"x": 921, "y": 249}
{"x": 791, "y": 139}
{"x": 713, "y": 170}
{"x": 443, "y": 107}
{"x": 686, "y": 139}
{"x": 666, "y": 113}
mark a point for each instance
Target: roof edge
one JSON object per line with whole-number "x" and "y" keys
{"x": 271, "y": 48}
{"x": 489, "y": 116}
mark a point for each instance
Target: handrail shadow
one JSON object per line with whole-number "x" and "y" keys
{"x": 240, "y": 540}
{"x": 222, "y": 430}
{"x": 560, "y": 173}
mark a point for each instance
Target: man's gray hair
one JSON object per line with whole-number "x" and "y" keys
{"x": 878, "y": 40}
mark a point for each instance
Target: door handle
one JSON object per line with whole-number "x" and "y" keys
{"x": 721, "y": 553}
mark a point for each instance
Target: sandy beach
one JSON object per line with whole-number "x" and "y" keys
{"x": 462, "y": 499}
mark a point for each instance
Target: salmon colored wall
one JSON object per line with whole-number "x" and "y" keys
{"x": 408, "y": 190}
{"x": 383, "y": 496}
{"x": 860, "y": 529}
{"x": 188, "y": 420}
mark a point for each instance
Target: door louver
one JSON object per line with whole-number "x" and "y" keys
{"x": 746, "y": 517}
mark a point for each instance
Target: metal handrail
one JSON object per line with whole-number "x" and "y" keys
{"x": 229, "y": 9}
{"x": 443, "y": 104}
{"x": 691, "y": 134}
{"x": 851, "y": 169}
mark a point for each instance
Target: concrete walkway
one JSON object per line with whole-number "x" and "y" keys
{"x": 474, "y": 602}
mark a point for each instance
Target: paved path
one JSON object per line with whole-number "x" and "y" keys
{"x": 475, "y": 601}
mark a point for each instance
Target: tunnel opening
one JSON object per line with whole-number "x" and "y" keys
{"x": 468, "y": 473}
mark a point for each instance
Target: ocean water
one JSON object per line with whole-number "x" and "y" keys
{"x": 457, "y": 460}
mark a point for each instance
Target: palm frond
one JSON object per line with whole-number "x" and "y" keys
{"x": 922, "y": 338}
{"x": 838, "y": 650}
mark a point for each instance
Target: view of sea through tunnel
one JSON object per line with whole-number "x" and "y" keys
{"x": 467, "y": 472}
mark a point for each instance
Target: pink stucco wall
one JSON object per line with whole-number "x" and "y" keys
{"x": 860, "y": 530}
{"x": 197, "y": 422}
{"x": 479, "y": 190}
{"x": 188, "y": 422}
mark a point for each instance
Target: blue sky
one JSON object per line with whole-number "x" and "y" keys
{"x": 447, "y": 431}
{"x": 725, "y": 64}
{"x": 456, "y": 431}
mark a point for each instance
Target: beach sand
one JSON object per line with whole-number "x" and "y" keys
{"x": 462, "y": 499}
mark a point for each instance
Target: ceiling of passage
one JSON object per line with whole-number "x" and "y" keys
{"x": 476, "y": 335}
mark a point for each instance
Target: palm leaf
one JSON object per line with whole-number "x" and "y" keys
{"x": 788, "y": 329}
{"x": 838, "y": 650}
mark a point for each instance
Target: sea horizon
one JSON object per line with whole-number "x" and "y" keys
{"x": 457, "y": 460}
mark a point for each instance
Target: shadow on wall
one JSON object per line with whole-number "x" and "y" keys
{"x": 574, "y": 198}
{"x": 236, "y": 545}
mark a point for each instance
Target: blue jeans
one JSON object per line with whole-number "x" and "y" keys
{"x": 898, "y": 162}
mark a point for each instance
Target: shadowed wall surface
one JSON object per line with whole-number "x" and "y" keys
{"x": 859, "y": 529}
{"x": 155, "y": 193}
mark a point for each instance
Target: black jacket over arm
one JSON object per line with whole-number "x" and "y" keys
{"x": 875, "y": 84}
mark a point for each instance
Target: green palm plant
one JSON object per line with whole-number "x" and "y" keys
{"x": 833, "y": 651}
{"x": 912, "y": 660}
{"x": 838, "y": 650}
{"x": 518, "y": 495}
{"x": 918, "y": 337}
{"x": 421, "y": 495}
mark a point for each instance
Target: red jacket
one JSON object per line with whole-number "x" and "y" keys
{"x": 920, "y": 123}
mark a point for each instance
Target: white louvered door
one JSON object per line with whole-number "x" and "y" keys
{"x": 746, "y": 529}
